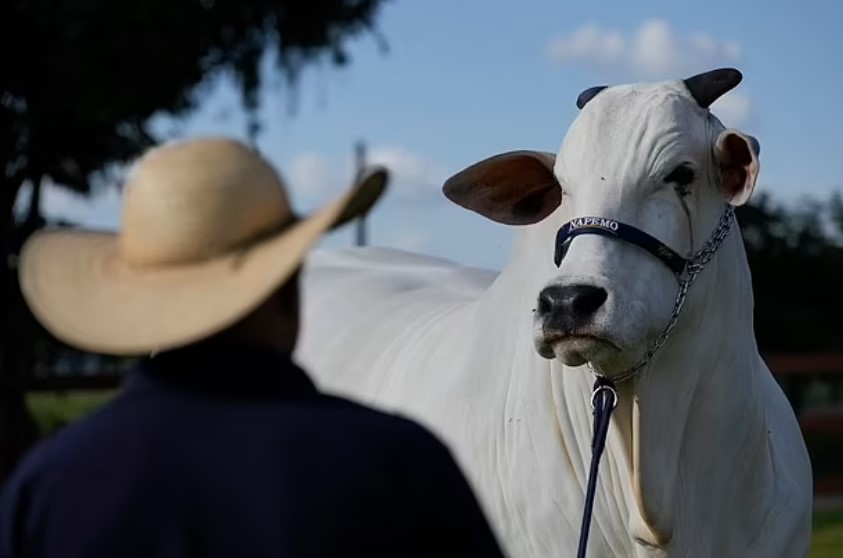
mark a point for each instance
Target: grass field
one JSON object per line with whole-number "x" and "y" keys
{"x": 55, "y": 410}
{"x": 828, "y": 535}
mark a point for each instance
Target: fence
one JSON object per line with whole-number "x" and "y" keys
{"x": 813, "y": 383}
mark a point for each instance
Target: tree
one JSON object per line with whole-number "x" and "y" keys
{"x": 796, "y": 258}
{"x": 81, "y": 79}
{"x": 835, "y": 209}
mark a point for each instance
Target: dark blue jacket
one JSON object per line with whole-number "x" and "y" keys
{"x": 224, "y": 452}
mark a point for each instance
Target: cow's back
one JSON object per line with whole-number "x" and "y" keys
{"x": 386, "y": 327}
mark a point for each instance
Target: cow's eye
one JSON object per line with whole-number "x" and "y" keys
{"x": 681, "y": 176}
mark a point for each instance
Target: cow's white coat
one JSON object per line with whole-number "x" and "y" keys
{"x": 704, "y": 457}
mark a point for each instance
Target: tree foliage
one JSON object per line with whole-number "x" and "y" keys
{"x": 796, "y": 257}
{"x": 80, "y": 79}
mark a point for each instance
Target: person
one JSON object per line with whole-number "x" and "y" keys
{"x": 218, "y": 445}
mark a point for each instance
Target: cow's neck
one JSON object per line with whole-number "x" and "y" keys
{"x": 693, "y": 424}
{"x": 691, "y": 431}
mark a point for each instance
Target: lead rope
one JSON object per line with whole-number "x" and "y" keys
{"x": 604, "y": 398}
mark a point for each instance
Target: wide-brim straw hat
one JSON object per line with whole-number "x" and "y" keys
{"x": 208, "y": 234}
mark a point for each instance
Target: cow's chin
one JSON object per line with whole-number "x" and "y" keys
{"x": 576, "y": 350}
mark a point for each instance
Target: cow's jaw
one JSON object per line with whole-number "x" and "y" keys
{"x": 619, "y": 333}
{"x": 576, "y": 349}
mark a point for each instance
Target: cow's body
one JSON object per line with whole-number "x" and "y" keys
{"x": 704, "y": 456}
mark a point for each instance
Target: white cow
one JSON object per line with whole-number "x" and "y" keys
{"x": 704, "y": 456}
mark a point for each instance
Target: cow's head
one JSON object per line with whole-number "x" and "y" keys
{"x": 649, "y": 155}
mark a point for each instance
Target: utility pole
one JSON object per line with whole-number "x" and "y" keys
{"x": 360, "y": 158}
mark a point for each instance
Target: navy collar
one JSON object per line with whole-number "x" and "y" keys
{"x": 227, "y": 370}
{"x": 621, "y": 231}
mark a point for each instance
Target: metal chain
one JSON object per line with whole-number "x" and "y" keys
{"x": 695, "y": 265}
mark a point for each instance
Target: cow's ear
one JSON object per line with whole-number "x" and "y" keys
{"x": 514, "y": 188}
{"x": 736, "y": 155}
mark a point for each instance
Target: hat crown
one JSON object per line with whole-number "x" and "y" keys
{"x": 193, "y": 200}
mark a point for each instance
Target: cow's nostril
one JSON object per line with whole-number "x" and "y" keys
{"x": 546, "y": 300}
{"x": 574, "y": 302}
{"x": 585, "y": 299}
{"x": 570, "y": 306}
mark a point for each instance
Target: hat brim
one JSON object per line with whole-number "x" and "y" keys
{"x": 79, "y": 288}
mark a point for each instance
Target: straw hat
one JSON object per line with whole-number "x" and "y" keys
{"x": 208, "y": 234}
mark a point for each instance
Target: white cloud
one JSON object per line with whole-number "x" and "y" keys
{"x": 412, "y": 175}
{"x": 733, "y": 109}
{"x": 653, "y": 51}
{"x": 313, "y": 177}
{"x": 101, "y": 210}
{"x": 590, "y": 44}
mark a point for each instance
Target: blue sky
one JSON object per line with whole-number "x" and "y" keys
{"x": 467, "y": 79}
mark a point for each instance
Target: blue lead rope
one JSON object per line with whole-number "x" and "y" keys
{"x": 604, "y": 399}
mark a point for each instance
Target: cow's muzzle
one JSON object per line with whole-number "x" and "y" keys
{"x": 569, "y": 308}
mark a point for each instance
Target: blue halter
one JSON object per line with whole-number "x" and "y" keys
{"x": 621, "y": 231}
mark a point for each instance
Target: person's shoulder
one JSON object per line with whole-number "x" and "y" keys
{"x": 42, "y": 461}
{"x": 395, "y": 429}
{"x": 59, "y": 450}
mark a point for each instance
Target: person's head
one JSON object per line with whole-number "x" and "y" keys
{"x": 274, "y": 324}
{"x": 209, "y": 247}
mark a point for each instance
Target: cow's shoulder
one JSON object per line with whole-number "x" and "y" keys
{"x": 376, "y": 268}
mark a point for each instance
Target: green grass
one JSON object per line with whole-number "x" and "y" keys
{"x": 55, "y": 410}
{"x": 52, "y": 411}
{"x": 828, "y": 535}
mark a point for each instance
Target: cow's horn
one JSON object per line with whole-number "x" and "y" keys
{"x": 588, "y": 95}
{"x": 710, "y": 86}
